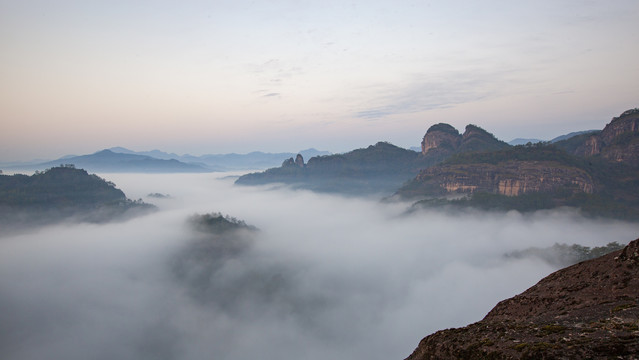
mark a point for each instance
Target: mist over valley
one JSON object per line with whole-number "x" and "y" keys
{"x": 289, "y": 272}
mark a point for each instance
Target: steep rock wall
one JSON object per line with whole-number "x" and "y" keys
{"x": 618, "y": 141}
{"x": 510, "y": 178}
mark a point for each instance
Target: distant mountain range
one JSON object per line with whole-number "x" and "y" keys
{"x": 596, "y": 171}
{"x": 119, "y": 159}
{"x": 522, "y": 141}
{"x": 109, "y": 161}
{"x": 223, "y": 162}
{"x": 378, "y": 168}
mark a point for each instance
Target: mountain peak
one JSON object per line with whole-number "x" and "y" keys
{"x": 617, "y": 142}
{"x": 104, "y": 152}
{"x": 445, "y": 139}
{"x": 443, "y": 127}
{"x": 478, "y": 139}
{"x": 441, "y": 138}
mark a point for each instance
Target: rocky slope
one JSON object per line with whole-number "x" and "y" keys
{"x": 586, "y": 311}
{"x": 618, "y": 141}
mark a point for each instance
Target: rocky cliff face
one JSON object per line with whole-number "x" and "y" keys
{"x": 627, "y": 122}
{"x": 618, "y": 141}
{"x": 445, "y": 139}
{"x": 441, "y": 137}
{"x": 587, "y": 311}
{"x": 509, "y": 178}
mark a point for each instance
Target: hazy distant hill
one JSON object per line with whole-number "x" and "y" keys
{"x": 59, "y": 193}
{"x": 572, "y": 134}
{"x": 522, "y": 141}
{"x": 119, "y": 159}
{"x": 153, "y": 153}
{"x": 109, "y": 161}
{"x": 378, "y": 168}
{"x": 224, "y": 162}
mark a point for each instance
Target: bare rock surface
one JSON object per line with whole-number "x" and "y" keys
{"x": 586, "y": 311}
{"x": 618, "y": 141}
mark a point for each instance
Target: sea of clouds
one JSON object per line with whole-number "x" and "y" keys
{"x": 325, "y": 277}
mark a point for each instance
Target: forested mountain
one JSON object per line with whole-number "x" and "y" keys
{"x": 378, "y": 168}
{"x": 62, "y": 192}
{"x": 597, "y": 172}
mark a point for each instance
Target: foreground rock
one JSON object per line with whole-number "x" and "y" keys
{"x": 586, "y": 311}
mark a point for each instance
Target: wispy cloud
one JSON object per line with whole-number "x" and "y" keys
{"x": 273, "y": 73}
{"x": 423, "y": 93}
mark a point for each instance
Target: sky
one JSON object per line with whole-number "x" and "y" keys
{"x": 204, "y": 77}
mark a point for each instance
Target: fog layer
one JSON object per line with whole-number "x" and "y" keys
{"x": 324, "y": 277}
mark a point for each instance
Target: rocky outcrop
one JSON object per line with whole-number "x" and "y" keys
{"x": 627, "y": 122}
{"x": 441, "y": 137}
{"x": 590, "y": 147}
{"x": 618, "y": 141}
{"x": 586, "y": 311}
{"x": 509, "y": 178}
{"x": 477, "y": 139}
{"x": 298, "y": 162}
{"x": 445, "y": 139}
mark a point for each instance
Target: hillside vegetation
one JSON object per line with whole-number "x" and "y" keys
{"x": 59, "y": 193}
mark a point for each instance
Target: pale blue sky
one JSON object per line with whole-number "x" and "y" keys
{"x": 236, "y": 76}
